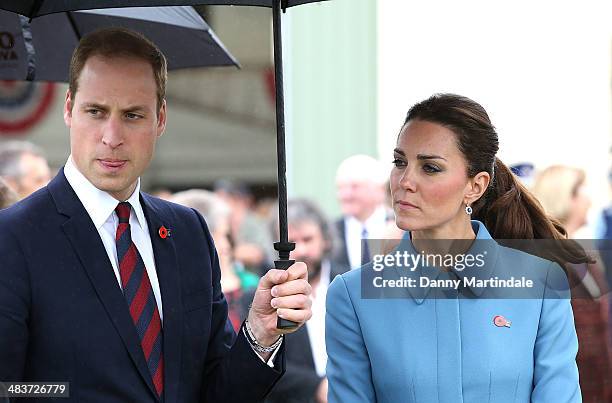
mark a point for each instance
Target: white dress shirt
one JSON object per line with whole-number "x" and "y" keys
{"x": 316, "y": 324}
{"x": 101, "y": 209}
{"x": 353, "y": 228}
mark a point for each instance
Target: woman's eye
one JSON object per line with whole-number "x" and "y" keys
{"x": 429, "y": 168}
{"x": 399, "y": 163}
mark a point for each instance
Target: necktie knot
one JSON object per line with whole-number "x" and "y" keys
{"x": 365, "y": 248}
{"x": 364, "y": 232}
{"x": 123, "y": 212}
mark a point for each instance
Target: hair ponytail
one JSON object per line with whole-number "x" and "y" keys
{"x": 510, "y": 211}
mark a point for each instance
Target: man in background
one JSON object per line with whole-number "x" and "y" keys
{"x": 360, "y": 182}
{"x": 304, "y": 380}
{"x": 249, "y": 232}
{"x": 23, "y": 167}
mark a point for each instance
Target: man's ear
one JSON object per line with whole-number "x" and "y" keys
{"x": 68, "y": 109}
{"x": 476, "y": 187}
{"x": 161, "y": 119}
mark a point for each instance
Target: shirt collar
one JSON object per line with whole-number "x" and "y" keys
{"x": 98, "y": 203}
{"x": 377, "y": 219}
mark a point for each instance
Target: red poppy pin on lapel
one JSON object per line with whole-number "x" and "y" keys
{"x": 500, "y": 321}
{"x": 163, "y": 232}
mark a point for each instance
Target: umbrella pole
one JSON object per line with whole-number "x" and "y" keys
{"x": 284, "y": 247}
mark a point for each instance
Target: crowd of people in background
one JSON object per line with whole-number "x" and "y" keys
{"x": 243, "y": 238}
{"x": 23, "y": 167}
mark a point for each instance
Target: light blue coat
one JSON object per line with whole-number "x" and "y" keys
{"x": 424, "y": 349}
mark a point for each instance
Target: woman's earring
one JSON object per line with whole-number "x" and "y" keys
{"x": 468, "y": 209}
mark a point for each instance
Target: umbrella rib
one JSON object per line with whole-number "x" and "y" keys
{"x": 75, "y": 29}
{"x": 28, "y": 41}
{"x": 35, "y": 8}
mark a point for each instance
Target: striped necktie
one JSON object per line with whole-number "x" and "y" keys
{"x": 140, "y": 298}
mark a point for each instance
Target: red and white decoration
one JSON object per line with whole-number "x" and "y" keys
{"x": 23, "y": 104}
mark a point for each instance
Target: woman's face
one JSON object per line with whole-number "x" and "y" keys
{"x": 429, "y": 182}
{"x": 580, "y": 205}
{"x": 222, "y": 242}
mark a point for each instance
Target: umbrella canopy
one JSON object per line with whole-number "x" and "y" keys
{"x": 41, "y": 49}
{"x": 35, "y": 8}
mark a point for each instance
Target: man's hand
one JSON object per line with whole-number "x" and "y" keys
{"x": 285, "y": 293}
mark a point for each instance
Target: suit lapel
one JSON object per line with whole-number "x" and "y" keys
{"x": 342, "y": 256}
{"x": 166, "y": 265}
{"x": 88, "y": 246}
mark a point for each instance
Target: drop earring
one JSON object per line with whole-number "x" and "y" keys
{"x": 468, "y": 209}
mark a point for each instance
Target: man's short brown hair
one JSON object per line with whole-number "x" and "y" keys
{"x": 119, "y": 42}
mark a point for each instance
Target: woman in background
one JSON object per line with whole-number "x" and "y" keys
{"x": 237, "y": 284}
{"x": 447, "y": 184}
{"x": 561, "y": 191}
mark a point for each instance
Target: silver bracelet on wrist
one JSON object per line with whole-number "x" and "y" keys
{"x": 248, "y": 333}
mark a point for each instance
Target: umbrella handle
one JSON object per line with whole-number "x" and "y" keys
{"x": 284, "y": 264}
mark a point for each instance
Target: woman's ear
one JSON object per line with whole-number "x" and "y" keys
{"x": 476, "y": 187}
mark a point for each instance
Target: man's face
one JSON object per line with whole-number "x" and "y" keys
{"x": 359, "y": 198}
{"x": 114, "y": 123}
{"x": 36, "y": 174}
{"x": 310, "y": 245}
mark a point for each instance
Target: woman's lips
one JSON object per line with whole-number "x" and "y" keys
{"x": 405, "y": 205}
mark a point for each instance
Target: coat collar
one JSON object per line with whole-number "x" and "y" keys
{"x": 484, "y": 245}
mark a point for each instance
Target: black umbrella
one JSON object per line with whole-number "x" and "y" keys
{"x": 35, "y": 8}
{"x": 41, "y": 49}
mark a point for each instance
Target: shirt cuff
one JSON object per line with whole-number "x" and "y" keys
{"x": 270, "y": 361}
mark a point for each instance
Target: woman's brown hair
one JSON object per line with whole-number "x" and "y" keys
{"x": 507, "y": 208}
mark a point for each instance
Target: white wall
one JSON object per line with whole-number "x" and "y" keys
{"x": 541, "y": 68}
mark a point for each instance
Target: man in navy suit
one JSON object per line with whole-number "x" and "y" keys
{"x": 118, "y": 292}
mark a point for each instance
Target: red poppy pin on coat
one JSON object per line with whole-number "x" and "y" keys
{"x": 163, "y": 232}
{"x": 500, "y": 321}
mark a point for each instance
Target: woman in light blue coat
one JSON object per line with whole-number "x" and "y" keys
{"x": 470, "y": 342}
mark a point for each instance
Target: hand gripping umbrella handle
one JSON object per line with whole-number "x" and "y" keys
{"x": 280, "y": 322}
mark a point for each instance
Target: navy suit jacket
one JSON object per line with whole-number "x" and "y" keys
{"x": 341, "y": 251}
{"x": 63, "y": 316}
{"x": 300, "y": 382}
